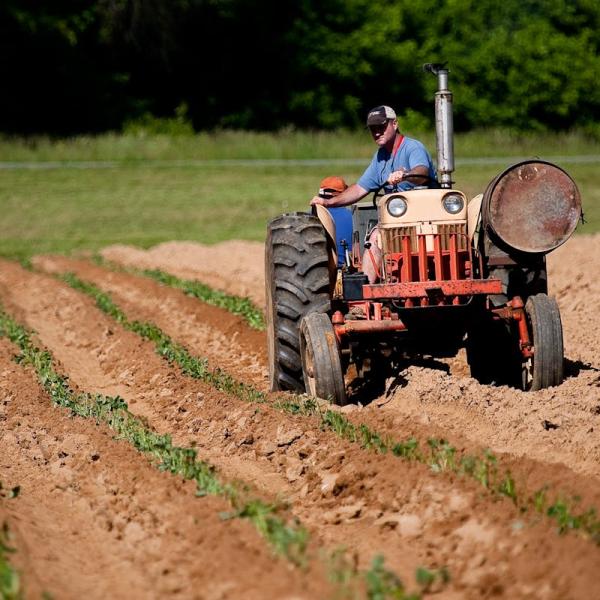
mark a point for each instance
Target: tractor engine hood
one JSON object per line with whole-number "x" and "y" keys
{"x": 533, "y": 206}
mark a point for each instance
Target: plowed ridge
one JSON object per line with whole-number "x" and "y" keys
{"x": 345, "y": 494}
{"x": 556, "y": 425}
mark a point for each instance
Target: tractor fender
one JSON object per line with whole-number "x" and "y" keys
{"x": 474, "y": 219}
{"x": 329, "y": 226}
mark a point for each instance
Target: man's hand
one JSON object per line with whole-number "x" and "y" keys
{"x": 318, "y": 200}
{"x": 351, "y": 195}
{"x": 396, "y": 177}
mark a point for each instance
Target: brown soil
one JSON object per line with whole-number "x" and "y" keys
{"x": 234, "y": 266}
{"x": 442, "y": 394}
{"x": 94, "y": 519}
{"x": 344, "y": 494}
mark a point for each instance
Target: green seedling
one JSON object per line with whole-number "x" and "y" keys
{"x": 427, "y": 578}
{"x": 440, "y": 457}
{"x": 408, "y": 450}
{"x": 382, "y": 583}
{"x": 507, "y": 487}
{"x": 287, "y": 537}
{"x": 10, "y": 582}
{"x": 11, "y": 493}
{"x": 237, "y": 305}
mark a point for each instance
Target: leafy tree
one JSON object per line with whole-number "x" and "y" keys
{"x": 71, "y": 66}
{"x": 522, "y": 63}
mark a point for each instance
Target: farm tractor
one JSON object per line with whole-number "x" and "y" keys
{"x": 454, "y": 273}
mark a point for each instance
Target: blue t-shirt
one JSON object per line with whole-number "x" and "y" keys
{"x": 409, "y": 155}
{"x": 342, "y": 217}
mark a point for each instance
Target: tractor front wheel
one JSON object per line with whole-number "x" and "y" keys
{"x": 546, "y": 367}
{"x": 321, "y": 365}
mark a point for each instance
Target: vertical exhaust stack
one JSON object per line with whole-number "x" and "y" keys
{"x": 444, "y": 126}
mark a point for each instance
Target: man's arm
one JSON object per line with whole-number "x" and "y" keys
{"x": 349, "y": 196}
{"x": 401, "y": 175}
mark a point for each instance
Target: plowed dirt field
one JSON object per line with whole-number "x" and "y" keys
{"x": 94, "y": 518}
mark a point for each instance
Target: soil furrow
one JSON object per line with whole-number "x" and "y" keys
{"x": 94, "y": 519}
{"x": 542, "y": 456}
{"x": 233, "y": 266}
{"x": 530, "y": 475}
{"x": 348, "y": 496}
{"x": 224, "y": 339}
{"x": 557, "y": 425}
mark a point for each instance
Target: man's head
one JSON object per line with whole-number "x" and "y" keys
{"x": 382, "y": 124}
{"x": 331, "y": 186}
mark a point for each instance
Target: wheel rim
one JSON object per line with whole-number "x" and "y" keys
{"x": 309, "y": 368}
{"x": 527, "y": 373}
{"x": 322, "y": 370}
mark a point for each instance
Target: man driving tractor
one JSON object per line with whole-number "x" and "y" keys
{"x": 399, "y": 163}
{"x": 454, "y": 273}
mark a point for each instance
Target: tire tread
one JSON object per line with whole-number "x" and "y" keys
{"x": 297, "y": 282}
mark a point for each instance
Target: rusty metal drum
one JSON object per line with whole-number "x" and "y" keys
{"x": 532, "y": 206}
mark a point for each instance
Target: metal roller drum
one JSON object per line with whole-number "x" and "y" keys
{"x": 532, "y": 206}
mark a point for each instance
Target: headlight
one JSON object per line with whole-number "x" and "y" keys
{"x": 397, "y": 206}
{"x": 453, "y": 203}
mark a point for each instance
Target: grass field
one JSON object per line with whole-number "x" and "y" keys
{"x": 157, "y": 188}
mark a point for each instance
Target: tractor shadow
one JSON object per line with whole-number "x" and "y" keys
{"x": 573, "y": 368}
{"x": 383, "y": 384}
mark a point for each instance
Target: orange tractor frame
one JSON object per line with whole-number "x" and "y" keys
{"x": 454, "y": 273}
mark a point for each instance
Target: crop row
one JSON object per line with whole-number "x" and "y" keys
{"x": 10, "y": 582}
{"x": 436, "y": 453}
{"x": 237, "y": 305}
{"x": 286, "y": 535}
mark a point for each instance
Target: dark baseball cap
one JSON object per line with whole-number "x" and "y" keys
{"x": 380, "y": 115}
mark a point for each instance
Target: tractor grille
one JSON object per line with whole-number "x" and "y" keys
{"x": 391, "y": 239}
{"x": 461, "y": 240}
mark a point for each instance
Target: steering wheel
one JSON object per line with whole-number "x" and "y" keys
{"x": 426, "y": 178}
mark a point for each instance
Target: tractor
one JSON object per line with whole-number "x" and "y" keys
{"x": 454, "y": 273}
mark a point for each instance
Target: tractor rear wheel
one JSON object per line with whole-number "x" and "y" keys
{"x": 546, "y": 367}
{"x": 323, "y": 375}
{"x": 297, "y": 283}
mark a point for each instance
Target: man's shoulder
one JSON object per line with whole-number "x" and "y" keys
{"x": 412, "y": 147}
{"x": 412, "y": 142}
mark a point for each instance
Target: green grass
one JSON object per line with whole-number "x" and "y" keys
{"x": 64, "y": 210}
{"x": 285, "y": 144}
{"x": 142, "y": 203}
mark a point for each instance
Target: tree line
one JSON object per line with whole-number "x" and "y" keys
{"x": 75, "y": 66}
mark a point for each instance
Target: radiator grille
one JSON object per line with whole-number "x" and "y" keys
{"x": 391, "y": 239}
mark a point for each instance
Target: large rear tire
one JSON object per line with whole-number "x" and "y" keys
{"x": 323, "y": 375}
{"x": 546, "y": 367}
{"x": 297, "y": 283}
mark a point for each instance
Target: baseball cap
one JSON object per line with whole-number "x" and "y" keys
{"x": 380, "y": 115}
{"x": 331, "y": 186}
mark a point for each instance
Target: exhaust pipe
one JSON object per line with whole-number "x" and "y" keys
{"x": 444, "y": 127}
